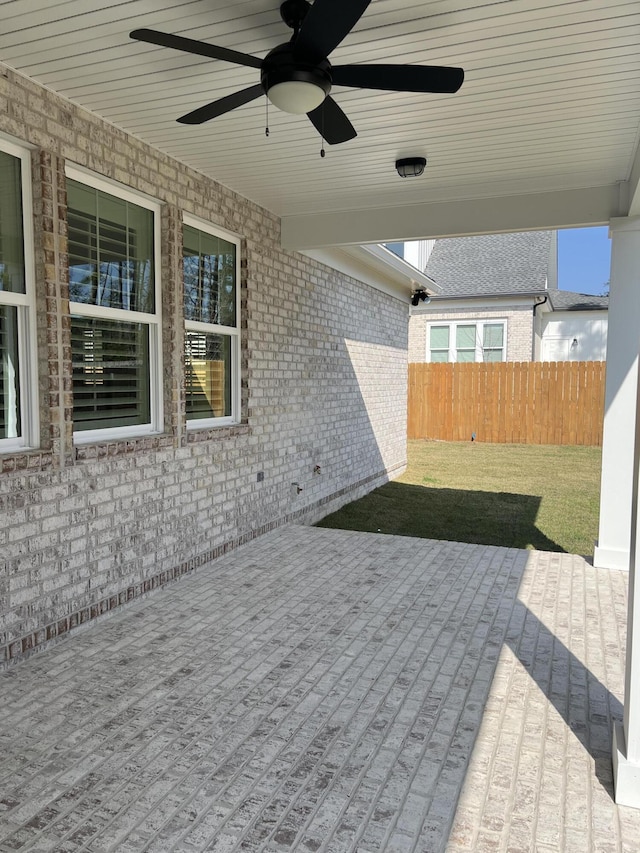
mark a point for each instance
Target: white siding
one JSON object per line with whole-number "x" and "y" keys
{"x": 574, "y": 336}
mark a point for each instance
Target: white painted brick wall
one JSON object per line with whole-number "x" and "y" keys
{"x": 82, "y": 530}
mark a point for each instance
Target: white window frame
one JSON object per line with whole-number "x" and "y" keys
{"x": 25, "y": 303}
{"x": 153, "y": 321}
{"x": 479, "y": 348}
{"x": 214, "y": 329}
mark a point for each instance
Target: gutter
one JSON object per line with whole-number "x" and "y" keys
{"x": 537, "y": 304}
{"x": 517, "y": 294}
{"x": 376, "y": 266}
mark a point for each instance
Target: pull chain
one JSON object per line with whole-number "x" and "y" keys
{"x": 266, "y": 120}
{"x": 322, "y": 151}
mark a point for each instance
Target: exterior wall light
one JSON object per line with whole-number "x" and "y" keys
{"x": 419, "y": 296}
{"x": 411, "y": 167}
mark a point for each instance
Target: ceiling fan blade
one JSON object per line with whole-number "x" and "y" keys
{"x": 331, "y": 122}
{"x": 327, "y": 22}
{"x": 200, "y": 48}
{"x": 399, "y": 78}
{"x": 222, "y": 105}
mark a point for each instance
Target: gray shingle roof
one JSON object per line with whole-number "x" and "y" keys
{"x": 566, "y": 300}
{"x": 492, "y": 264}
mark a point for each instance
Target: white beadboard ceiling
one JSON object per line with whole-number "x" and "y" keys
{"x": 548, "y": 113}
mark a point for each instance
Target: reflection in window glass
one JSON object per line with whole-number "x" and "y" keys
{"x": 12, "y": 274}
{"x": 212, "y": 339}
{"x": 18, "y": 416}
{"x": 111, "y": 271}
{"x": 110, "y": 373}
{"x": 208, "y": 375}
{"x": 10, "y": 426}
{"x": 209, "y": 278}
{"x": 110, "y": 250}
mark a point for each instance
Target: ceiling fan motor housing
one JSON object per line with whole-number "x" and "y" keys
{"x": 293, "y": 12}
{"x": 280, "y": 66}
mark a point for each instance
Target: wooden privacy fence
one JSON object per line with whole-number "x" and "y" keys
{"x": 545, "y": 402}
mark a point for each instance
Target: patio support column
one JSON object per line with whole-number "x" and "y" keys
{"x": 616, "y": 485}
{"x": 626, "y": 736}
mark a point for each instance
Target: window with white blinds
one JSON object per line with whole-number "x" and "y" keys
{"x": 18, "y": 379}
{"x": 212, "y": 326}
{"x": 111, "y": 386}
{"x": 115, "y": 321}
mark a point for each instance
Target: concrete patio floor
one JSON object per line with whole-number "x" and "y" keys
{"x": 323, "y": 690}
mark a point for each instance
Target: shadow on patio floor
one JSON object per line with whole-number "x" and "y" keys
{"x": 483, "y": 518}
{"x": 580, "y": 698}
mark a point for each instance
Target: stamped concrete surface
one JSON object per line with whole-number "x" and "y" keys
{"x": 323, "y": 690}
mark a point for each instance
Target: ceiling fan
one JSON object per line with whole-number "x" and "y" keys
{"x": 297, "y": 76}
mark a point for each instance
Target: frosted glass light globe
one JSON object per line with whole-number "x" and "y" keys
{"x": 296, "y": 96}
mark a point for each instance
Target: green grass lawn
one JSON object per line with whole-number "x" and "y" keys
{"x": 522, "y": 496}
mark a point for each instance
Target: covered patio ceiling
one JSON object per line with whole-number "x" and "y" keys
{"x": 543, "y": 133}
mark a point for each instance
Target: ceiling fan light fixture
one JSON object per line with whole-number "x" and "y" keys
{"x": 296, "y": 96}
{"x": 297, "y": 76}
{"x": 411, "y": 167}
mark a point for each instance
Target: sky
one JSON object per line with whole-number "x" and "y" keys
{"x": 584, "y": 257}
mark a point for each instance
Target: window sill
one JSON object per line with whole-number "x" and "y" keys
{"x": 25, "y": 459}
{"x": 216, "y": 433}
{"x": 104, "y": 448}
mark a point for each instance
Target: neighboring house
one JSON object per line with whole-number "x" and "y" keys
{"x": 496, "y": 298}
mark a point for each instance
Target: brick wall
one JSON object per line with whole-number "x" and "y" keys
{"x": 84, "y": 529}
{"x": 519, "y": 328}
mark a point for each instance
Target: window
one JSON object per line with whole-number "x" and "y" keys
{"x": 115, "y": 316}
{"x": 465, "y": 343}
{"x": 493, "y": 342}
{"x": 439, "y": 343}
{"x": 482, "y": 340}
{"x": 212, "y": 329}
{"x": 18, "y": 379}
